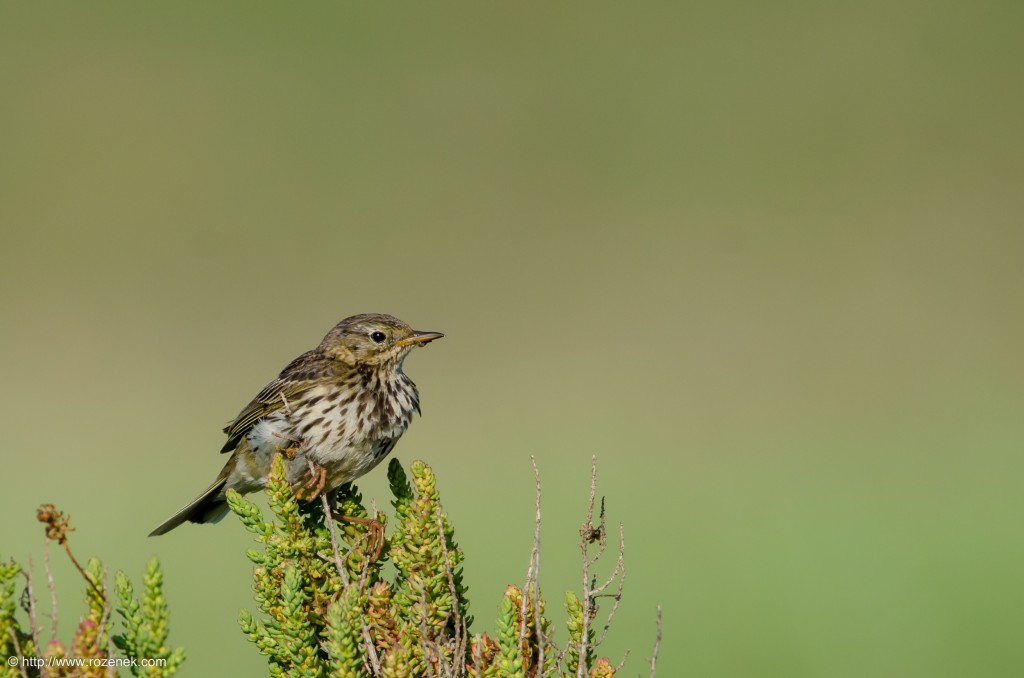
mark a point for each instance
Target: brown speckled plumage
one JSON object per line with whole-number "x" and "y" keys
{"x": 341, "y": 406}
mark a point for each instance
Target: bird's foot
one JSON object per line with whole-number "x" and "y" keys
{"x": 375, "y": 535}
{"x": 312, "y": 488}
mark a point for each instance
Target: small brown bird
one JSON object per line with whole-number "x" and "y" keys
{"x": 339, "y": 409}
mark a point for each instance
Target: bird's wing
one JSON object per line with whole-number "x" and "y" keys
{"x": 302, "y": 374}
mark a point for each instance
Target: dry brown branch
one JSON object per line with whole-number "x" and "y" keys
{"x": 17, "y": 648}
{"x": 559, "y": 658}
{"x": 364, "y": 629}
{"x": 57, "y": 528}
{"x": 329, "y": 520}
{"x": 589, "y": 534}
{"x": 28, "y": 604}
{"x": 657, "y": 645}
{"x": 478, "y": 668}
{"x": 371, "y": 650}
{"x": 425, "y": 634}
{"x": 620, "y": 573}
{"x": 625, "y": 656}
{"x": 531, "y": 589}
{"x": 52, "y": 586}
{"x": 104, "y": 618}
{"x": 355, "y": 545}
{"x": 461, "y": 631}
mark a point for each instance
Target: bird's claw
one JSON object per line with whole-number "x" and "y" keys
{"x": 375, "y": 535}
{"x": 376, "y": 539}
{"x": 312, "y": 488}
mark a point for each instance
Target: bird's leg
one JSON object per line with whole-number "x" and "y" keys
{"x": 312, "y": 488}
{"x": 314, "y": 485}
{"x": 375, "y": 536}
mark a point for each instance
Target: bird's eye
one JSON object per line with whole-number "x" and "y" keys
{"x": 378, "y": 337}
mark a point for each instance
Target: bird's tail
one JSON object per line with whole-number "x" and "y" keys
{"x": 209, "y": 507}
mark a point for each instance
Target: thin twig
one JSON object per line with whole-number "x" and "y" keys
{"x": 17, "y": 648}
{"x": 588, "y": 535}
{"x": 371, "y": 649}
{"x": 625, "y": 656}
{"x": 560, "y": 658}
{"x": 657, "y": 645}
{"x": 329, "y": 519}
{"x": 82, "y": 571}
{"x": 52, "y": 586}
{"x": 478, "y": 649}
{"x": 57, "y": 527}
{"x": 620, "y": 572}
{"x": 424, "y": 634}
{"x": 104, "y": 618}
{"x": 30, "y": 607}
{"x": 343, "y": 573}
{"x": 535, "y": 589}
{"x": 461, "y": 631}
{"x": 356, "y": 544}
{"x": 531, "y": 590}
{"x": 596, "y": 533}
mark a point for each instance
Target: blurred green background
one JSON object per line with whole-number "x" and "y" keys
{"x": 762, "y": 259}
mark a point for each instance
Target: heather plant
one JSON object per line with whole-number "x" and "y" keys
{"x": 332, "y": 600}
{"x": 116, "y": 630}
{"x": 327, "y": 606}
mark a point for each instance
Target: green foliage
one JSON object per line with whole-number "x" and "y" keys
{"x": 572, "y": 654}
{"x": 143, "y": 623}
{"x": 327, "y": 608}
{"x": 343, "y": 634}
{"x": 14, "y": 641}
{"x": 508, "y": 660}
{"x": 519, "y": 641}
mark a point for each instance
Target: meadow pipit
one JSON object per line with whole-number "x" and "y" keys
{"x": 339, "y": 409}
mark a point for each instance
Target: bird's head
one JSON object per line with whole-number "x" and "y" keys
{"x": 373, "y": 339}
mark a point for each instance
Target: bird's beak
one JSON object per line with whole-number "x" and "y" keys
{"x": 419, "y": 338}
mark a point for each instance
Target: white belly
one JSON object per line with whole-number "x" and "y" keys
{"x": 331, "y": 435}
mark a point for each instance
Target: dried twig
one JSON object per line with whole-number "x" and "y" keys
{"x": 355, "y": 545}
{"x": 329, "y": 519}
{"x": 559, "y": 658}
{"x": 625, "y": 656}
{"x": 461, "y": 631}
{"x": 371, "y": 651}
{"x": 102, "y": 631}
{"x": 17, "y": 648}
{"x": 57, "y": 528}
{"x": 53, "y": 588}
{"x": 597, "y": 534}
{"x": 620, "y": 573}
{"x": 425, "y": 634}
{"x": 657, "y": 645}
{"x": 532, "y": 587}
{"x": 478, "y": 649}
{"x": 28, "y": 603}
{"x": 364, "y": 629}
{"x": 589, "y": 534}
